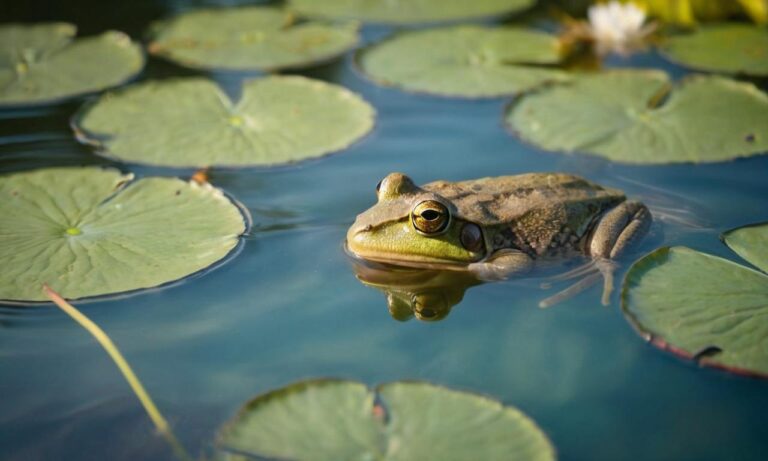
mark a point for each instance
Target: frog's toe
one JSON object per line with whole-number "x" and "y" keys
{"x": 589, "y": 274}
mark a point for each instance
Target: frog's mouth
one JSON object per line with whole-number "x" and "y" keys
{"x": 403, "y": 260}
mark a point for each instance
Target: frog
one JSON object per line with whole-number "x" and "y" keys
{"x": 501, "y": 227}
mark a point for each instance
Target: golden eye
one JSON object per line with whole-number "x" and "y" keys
{"x": 430, "y": 217}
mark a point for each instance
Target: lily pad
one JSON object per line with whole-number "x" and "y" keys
{"x": 636, "y": 116}
{"x": 407, "y": 11}
{"x": 249, "y": 38}
{"x": 333, "y": 420}
{"x": 190, "y": 122}
{"x": 751, "y": 243}
{"x": 701, "y": 306}
{"x": 729, "y": 48}
{"x": 467, "y": 61}
{"x": 91, "y": 231}
{"x": 43, "y": 63}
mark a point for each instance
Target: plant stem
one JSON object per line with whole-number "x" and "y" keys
{"x": 146, "y": 401}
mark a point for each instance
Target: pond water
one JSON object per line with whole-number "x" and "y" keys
{"x": 289, "y": 307}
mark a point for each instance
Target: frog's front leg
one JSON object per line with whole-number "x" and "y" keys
{"x": 612, "y": 234}
{"x": 502, "y": 264}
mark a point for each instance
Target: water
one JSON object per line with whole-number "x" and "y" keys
{"x": 289, "y": 307}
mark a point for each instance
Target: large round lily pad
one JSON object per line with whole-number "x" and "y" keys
{"x": 729, "y": 48}
{"x": 635, "y": 116}
{"x": 43, "y": 63}
{"x": 191, "y": 122}
{"x": 407, "y": 11}
{"x": 88, "y": 231}
{"x": 404, "y": 421}
{"x": 250, "y": 38}
{"x": 469, "y": 61}
{"x": 701, "y": 306}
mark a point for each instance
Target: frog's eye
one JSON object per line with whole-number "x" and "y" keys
{"x": 430, "y": 217}
{"x": 378, "y": 187}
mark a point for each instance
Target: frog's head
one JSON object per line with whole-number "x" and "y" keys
{"x": 414, "y": 227}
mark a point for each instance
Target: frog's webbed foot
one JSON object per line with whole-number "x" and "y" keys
{"x": 588, "y": 275}
{"x": 501, "y": 264}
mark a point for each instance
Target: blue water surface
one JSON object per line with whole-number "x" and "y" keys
{"x": 289, "y": 307}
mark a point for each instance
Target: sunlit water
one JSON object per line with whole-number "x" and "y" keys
{"x": 289, "y": 307}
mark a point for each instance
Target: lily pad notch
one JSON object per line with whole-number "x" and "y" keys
{"x": 255, "y": 38}
{"x": 720, "y": 320}
{"x": 640, "y": 117}
{"x": 329, "y": 420}
{"x": 90, "y": 232}
{"x": 44, "y": 63}
{"x": 190, "y": 122}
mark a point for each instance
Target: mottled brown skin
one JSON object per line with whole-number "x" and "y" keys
{"x": 524, "y": 219}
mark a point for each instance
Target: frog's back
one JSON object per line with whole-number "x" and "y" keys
{"x": 538, "y": 211}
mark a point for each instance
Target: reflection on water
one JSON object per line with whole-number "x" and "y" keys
{"x": 426, "y": 294}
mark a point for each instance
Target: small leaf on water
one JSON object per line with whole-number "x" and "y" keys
{"x": 732, "y": 48}
{"x": 464, "y": 61}
{"x": 702, "y": 307}
{"x": 248, "y": 38}
{"x": 407, "y": 12}
{"x": 334, "y": 419}
{"x": 637, "y": 116}
{"x": 189, "y": 122}
{"x": 43, "y": 63}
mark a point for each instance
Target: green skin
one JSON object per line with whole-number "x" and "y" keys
{"x": 524, "y": 219}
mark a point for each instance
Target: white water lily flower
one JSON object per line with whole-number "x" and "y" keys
{"x": 617, "y": 27}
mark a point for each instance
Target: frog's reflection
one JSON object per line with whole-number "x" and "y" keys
{"x": 426, "y": 294}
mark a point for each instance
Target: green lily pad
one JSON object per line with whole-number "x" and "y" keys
{"x": 43, "y": 63}
{"x": 467, "y": 61}
{"x": 250, "y": 38}
{"x": 88, "y": 231}
{"x": 701, "y": 306}
{"x": 751, "y": 243}
{"x": 333, "y": 420}
{"x": 407, "y": 11}
{"x": 635, "y": 116}
{"x": 191, "y": 123}
{"x": 729, "y": 48}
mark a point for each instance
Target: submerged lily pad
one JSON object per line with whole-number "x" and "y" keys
{"x": 702, "y": 306}
{"x": 468, "y": 61}
{"x": 730, "y": 48}
{"x": 333, "y": 420}
{"x": 407, "y": 11}
{"x": 249, "y": 38}
{"x": 88, "y": 231}
{"x": 191, "y": 123}
{"x": 751, "y": 243}
{"x": 635, "y": 116}
{"x": 43, "y": 63}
